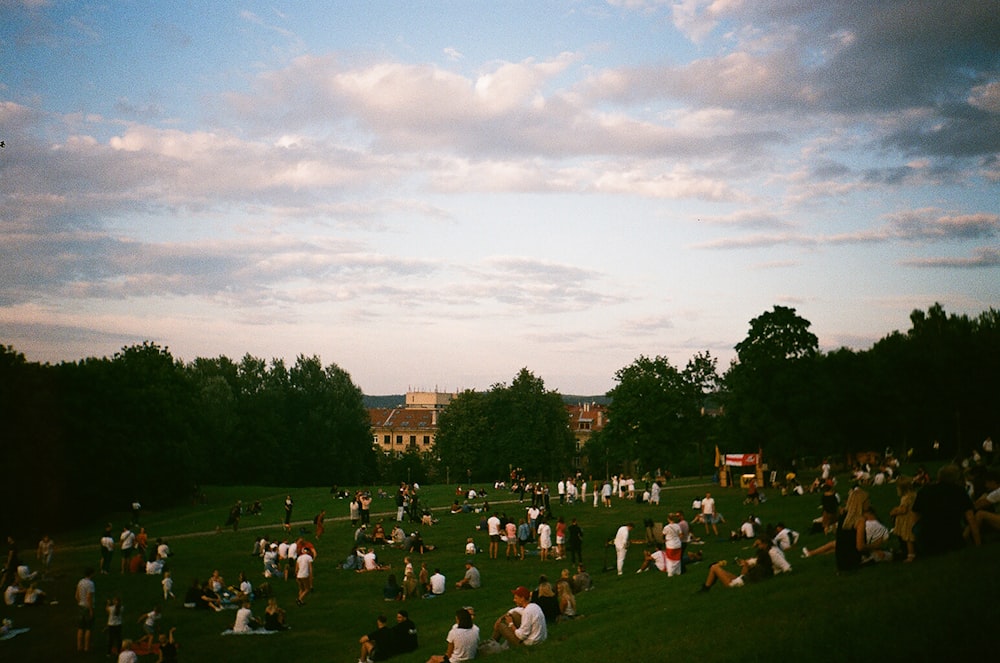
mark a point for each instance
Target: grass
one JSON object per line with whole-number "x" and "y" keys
{"x": 935, "y": 607}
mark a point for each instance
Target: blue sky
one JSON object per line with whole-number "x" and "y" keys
{"x": 434, "y": 195}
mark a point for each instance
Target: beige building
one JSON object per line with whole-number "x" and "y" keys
{"x": 396, "y": 430}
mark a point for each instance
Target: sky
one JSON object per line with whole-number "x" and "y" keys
{"x": 434, "y": 195}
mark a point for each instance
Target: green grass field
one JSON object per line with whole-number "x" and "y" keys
{"x": 941, "y": 607}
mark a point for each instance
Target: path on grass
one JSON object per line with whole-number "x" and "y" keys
{"x": 301, "y": 523}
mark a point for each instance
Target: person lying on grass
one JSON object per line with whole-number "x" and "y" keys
{"x": 755, "y": 569}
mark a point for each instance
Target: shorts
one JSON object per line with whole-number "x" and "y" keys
{"x": 495, "y": 538}
{"x": 710, "y": 518}
{"x": 560, "y": 540}
{"x": 737, "y": 582}
{"x": 86, "y": 621}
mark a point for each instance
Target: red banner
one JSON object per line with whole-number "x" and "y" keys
{"x": 742, "y": 460}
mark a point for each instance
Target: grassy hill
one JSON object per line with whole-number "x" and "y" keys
{"x": 936, "y": 607}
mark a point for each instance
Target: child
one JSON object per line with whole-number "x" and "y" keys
{"x": 168, "y": 586}
{"x": 149, "y": 625}
{"x": 904, "y": 515}
{"x": 470, "y": 547}
{"x": 168, "y": 648}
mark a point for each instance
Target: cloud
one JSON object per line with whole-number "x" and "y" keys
{"x": 931, "y": 223}
{"x": 984, "y": 257}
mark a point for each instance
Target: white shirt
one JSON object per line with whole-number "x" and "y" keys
{"x": 438, "y": 583}
{"x": 621, "y": 538}
{"x": 785, "y": 539}
{"x": 532, "y": 629}
{"x": 493, "y": 524}
{"x": 465, "y": 643}
{"x": 708, "y": 506}
{"x": 778, "y": 561}
{"x": 672, "y": 536}
{"x": 303, "y": 566}
{"x": 242, "y": 625}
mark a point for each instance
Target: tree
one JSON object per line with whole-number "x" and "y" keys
{"x": 522, "y": 425}
{"x": 769, "y": 389}
{"x": 655, "y": 416}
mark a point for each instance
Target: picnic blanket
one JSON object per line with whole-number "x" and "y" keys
{"x": 258, "y": 631}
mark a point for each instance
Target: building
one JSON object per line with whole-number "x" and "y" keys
{"x": 397, "y": 430}
{"x": 585, "y": 419}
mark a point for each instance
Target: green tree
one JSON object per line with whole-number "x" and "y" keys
{"x": 655, "y": 419}
{"x": 770, "y": 389}
{"x": 522, "y": 425}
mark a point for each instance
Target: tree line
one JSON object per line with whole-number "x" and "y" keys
{"x": 94, "y": 435}
{"x": 936, "y": 382}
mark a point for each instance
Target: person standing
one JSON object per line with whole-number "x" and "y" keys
{"x": 288, "y": 513}
{"x": 574, "y": 542}
{"x": 320, "y": 523}
{"x": 303, "y": 575}
{"x": 46, "y": 549}
{"x": 708, "y": 514}
{"x": 400, "y": 502}
{"x": 621, "y": 545}
{"x": 85, "y": 591}
{"x": 107, "y": 549}
{"x": 114, "y": 610}
{"x": 127, "y": 541}
{"x": 366, "y": 508}
{"x": 493, "y": 527}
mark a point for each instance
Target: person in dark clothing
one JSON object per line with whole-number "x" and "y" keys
{"x": 943, "y": 511}
{"x": 404, "y": 634}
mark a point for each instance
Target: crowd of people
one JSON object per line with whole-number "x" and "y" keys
{"x": 932, "y": 516}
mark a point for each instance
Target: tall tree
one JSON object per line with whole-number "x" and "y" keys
{"x": 522, "y": 425}
{"x": 770, "y": 399}
{"x": 655, "y": 415}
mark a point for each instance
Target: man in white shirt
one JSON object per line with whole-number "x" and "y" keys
{"x": 493, "y": 526}
{"x": 127, "y": 540}
{"x": 303, "y": 575}
{"x": 522, "y": 625}
{"x": 708, "y": 515}
{"x": 438, "y": 583}
{"x": 621, "y": 544}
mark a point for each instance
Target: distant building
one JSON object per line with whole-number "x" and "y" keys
{"x": 414, "y": 425}
{"x": 396, "y": 430}
{"x": 585, "y": 419}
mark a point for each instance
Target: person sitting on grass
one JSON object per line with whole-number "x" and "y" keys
{"x": 566, "y": 597}
{"x": 755, "y": 569}
{"x": 371, "y": 563}
{"x": 471, "y": 579}
{"x": 463, "y": 640}
{"x": 378, "y": 534}
{"x": 245, "y": 621}
{"x": 274, "y": 617}
{"x": 522, "y": 625}
{"x": 377, "y": 645}
{"x": 872, "y": 537}
{"x": 545, "y": 597}
{"x": 392, "y": 591}
{"x": 404, "y": 634}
